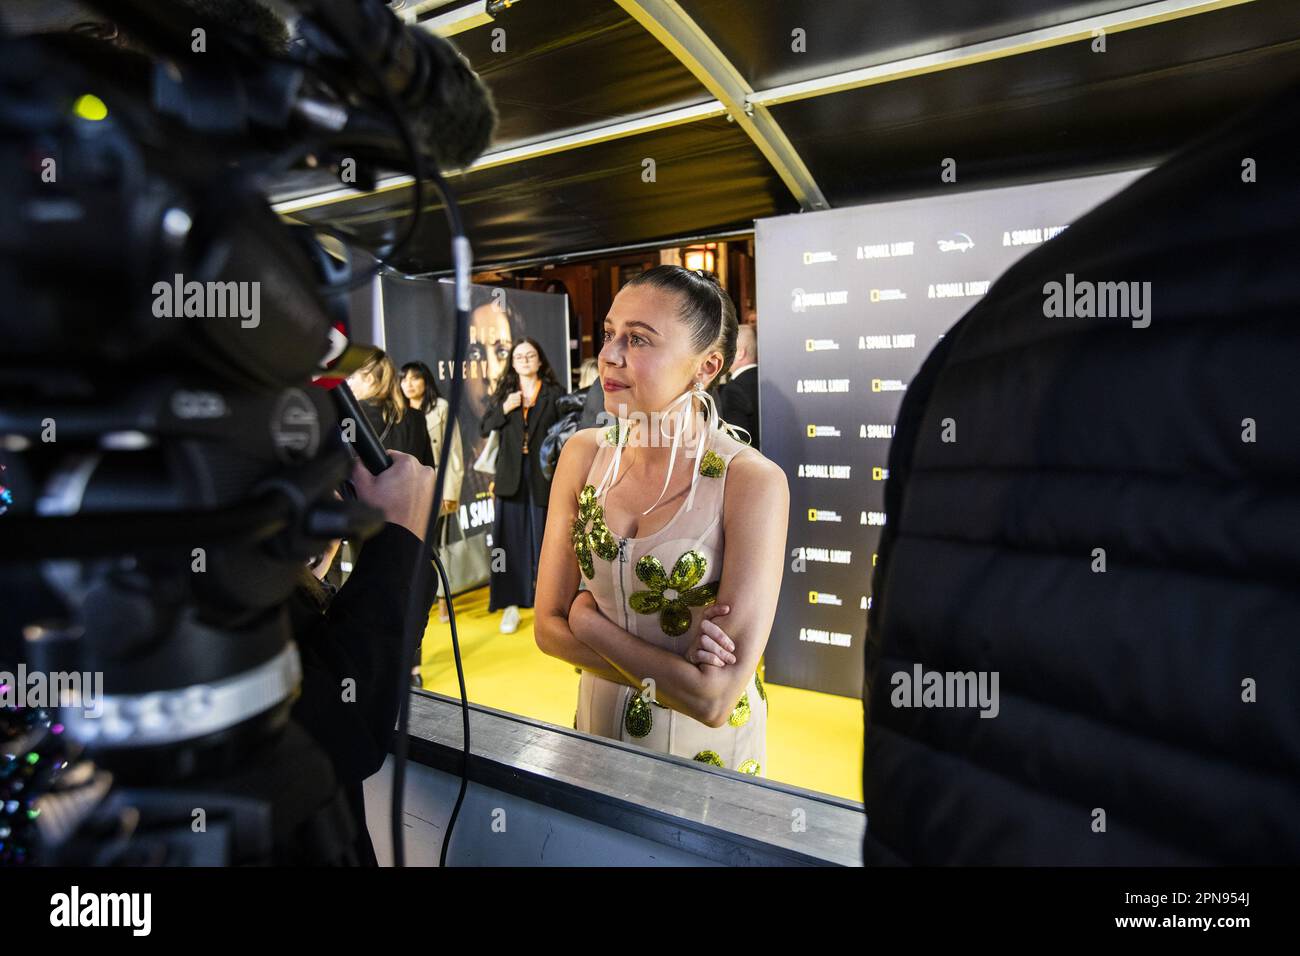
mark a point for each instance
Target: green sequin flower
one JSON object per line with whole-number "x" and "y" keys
{"x": 710, "y": 757}
{"x": 740, "y": 713}
{"x": 684, "y": 584}
{"x": 589, "y": 534}
{"x": 614, "y": 437}
{"x": 750, "y": 767}
{"x": 638, "y": 718}
{"x": 712, "y": 465}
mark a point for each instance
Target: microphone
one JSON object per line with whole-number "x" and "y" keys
{"x": 343, "y": 359}
{"x": 449, "y": 108}
{"x": 361, "y": 42}
{"x": 369, "y": 448}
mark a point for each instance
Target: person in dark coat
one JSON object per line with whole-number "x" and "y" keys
{"x": 740, "y": 394}
{"x": 377, "y": 387}
{"x": 523, "y": 411}
{"x": 1100, "y": 513}
{"x": 357, "y": 635}
{"x": 569, "y": 410}
{"x": 593, "y": 407}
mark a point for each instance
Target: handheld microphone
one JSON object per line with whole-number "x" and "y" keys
{"x": 367, "y": 444}
{"x": 342, "y": 359}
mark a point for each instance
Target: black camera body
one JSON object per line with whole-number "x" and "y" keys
{"x": 170, "y": 466}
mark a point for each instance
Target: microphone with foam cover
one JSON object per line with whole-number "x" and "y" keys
{"x": 446, "y": 104}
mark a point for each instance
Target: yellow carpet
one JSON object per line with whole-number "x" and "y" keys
{"x": 814, "y": 740}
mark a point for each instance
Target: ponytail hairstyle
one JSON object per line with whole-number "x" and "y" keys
{"x": 706, "y": 308}
{"x": 388, "y": 390}
{"x": 710, "y": 317}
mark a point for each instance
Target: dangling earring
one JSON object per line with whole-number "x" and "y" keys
{"x": 688, "y": 411}
{"x": 697, "y": 395}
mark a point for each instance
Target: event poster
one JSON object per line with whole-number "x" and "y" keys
{"x": 850, "y": 302}
{"x": 419, "y": 323}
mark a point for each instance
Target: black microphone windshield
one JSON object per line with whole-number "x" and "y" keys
{"x": 445, "y": 102}
{"x": 457, "y": 117}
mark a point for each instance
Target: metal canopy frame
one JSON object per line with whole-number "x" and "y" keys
{"x": 668, "y": 23}
{"x": 732, "y": 96}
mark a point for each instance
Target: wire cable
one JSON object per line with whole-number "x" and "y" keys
{"x": 464, "y": 700}
{"x": 462, "y": 258}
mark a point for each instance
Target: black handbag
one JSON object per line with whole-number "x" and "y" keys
{"x": 559, "y": 433}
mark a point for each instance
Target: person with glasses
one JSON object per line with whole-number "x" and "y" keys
{"x": 523, "y": 410}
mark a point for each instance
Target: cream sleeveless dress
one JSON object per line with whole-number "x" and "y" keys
{"x": 656, "y": 587}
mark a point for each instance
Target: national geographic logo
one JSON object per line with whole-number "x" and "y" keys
{"x": 811, "y": 258}
{"x": 887, "y": 385}
{"x": 888, "y": 295}
{"x": 824, "y": 597}
{"x": 879, "y": 474}
{"x": 818, "y": 514}
{"x": 820, "y": 345}
{"x": 823, "y": 431}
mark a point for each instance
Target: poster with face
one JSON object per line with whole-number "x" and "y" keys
{"x": 418, "y": 324}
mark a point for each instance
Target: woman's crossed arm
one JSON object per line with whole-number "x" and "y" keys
{"x": 754, "y": 529}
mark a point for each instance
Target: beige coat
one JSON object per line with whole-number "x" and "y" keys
{"x": 435, "y": 420}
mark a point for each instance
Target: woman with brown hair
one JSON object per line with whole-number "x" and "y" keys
{"x": 378, "y": 389}
{"x": 523, "y": 410}
{"x": 677, "y": 527}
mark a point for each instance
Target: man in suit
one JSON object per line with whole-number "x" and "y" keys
{"x": 740, "y": 394}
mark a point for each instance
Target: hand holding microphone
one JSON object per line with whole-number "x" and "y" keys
{"x": 403, "y": 492}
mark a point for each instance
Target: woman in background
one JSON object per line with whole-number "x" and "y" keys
{"x": 421, "y": 393}
{"x": 523, "y": 410}
{"x": 588, "y": 372}
{"x": 375, "y": 386}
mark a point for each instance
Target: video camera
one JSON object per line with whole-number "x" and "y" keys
{"x": 169, "y": 466}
